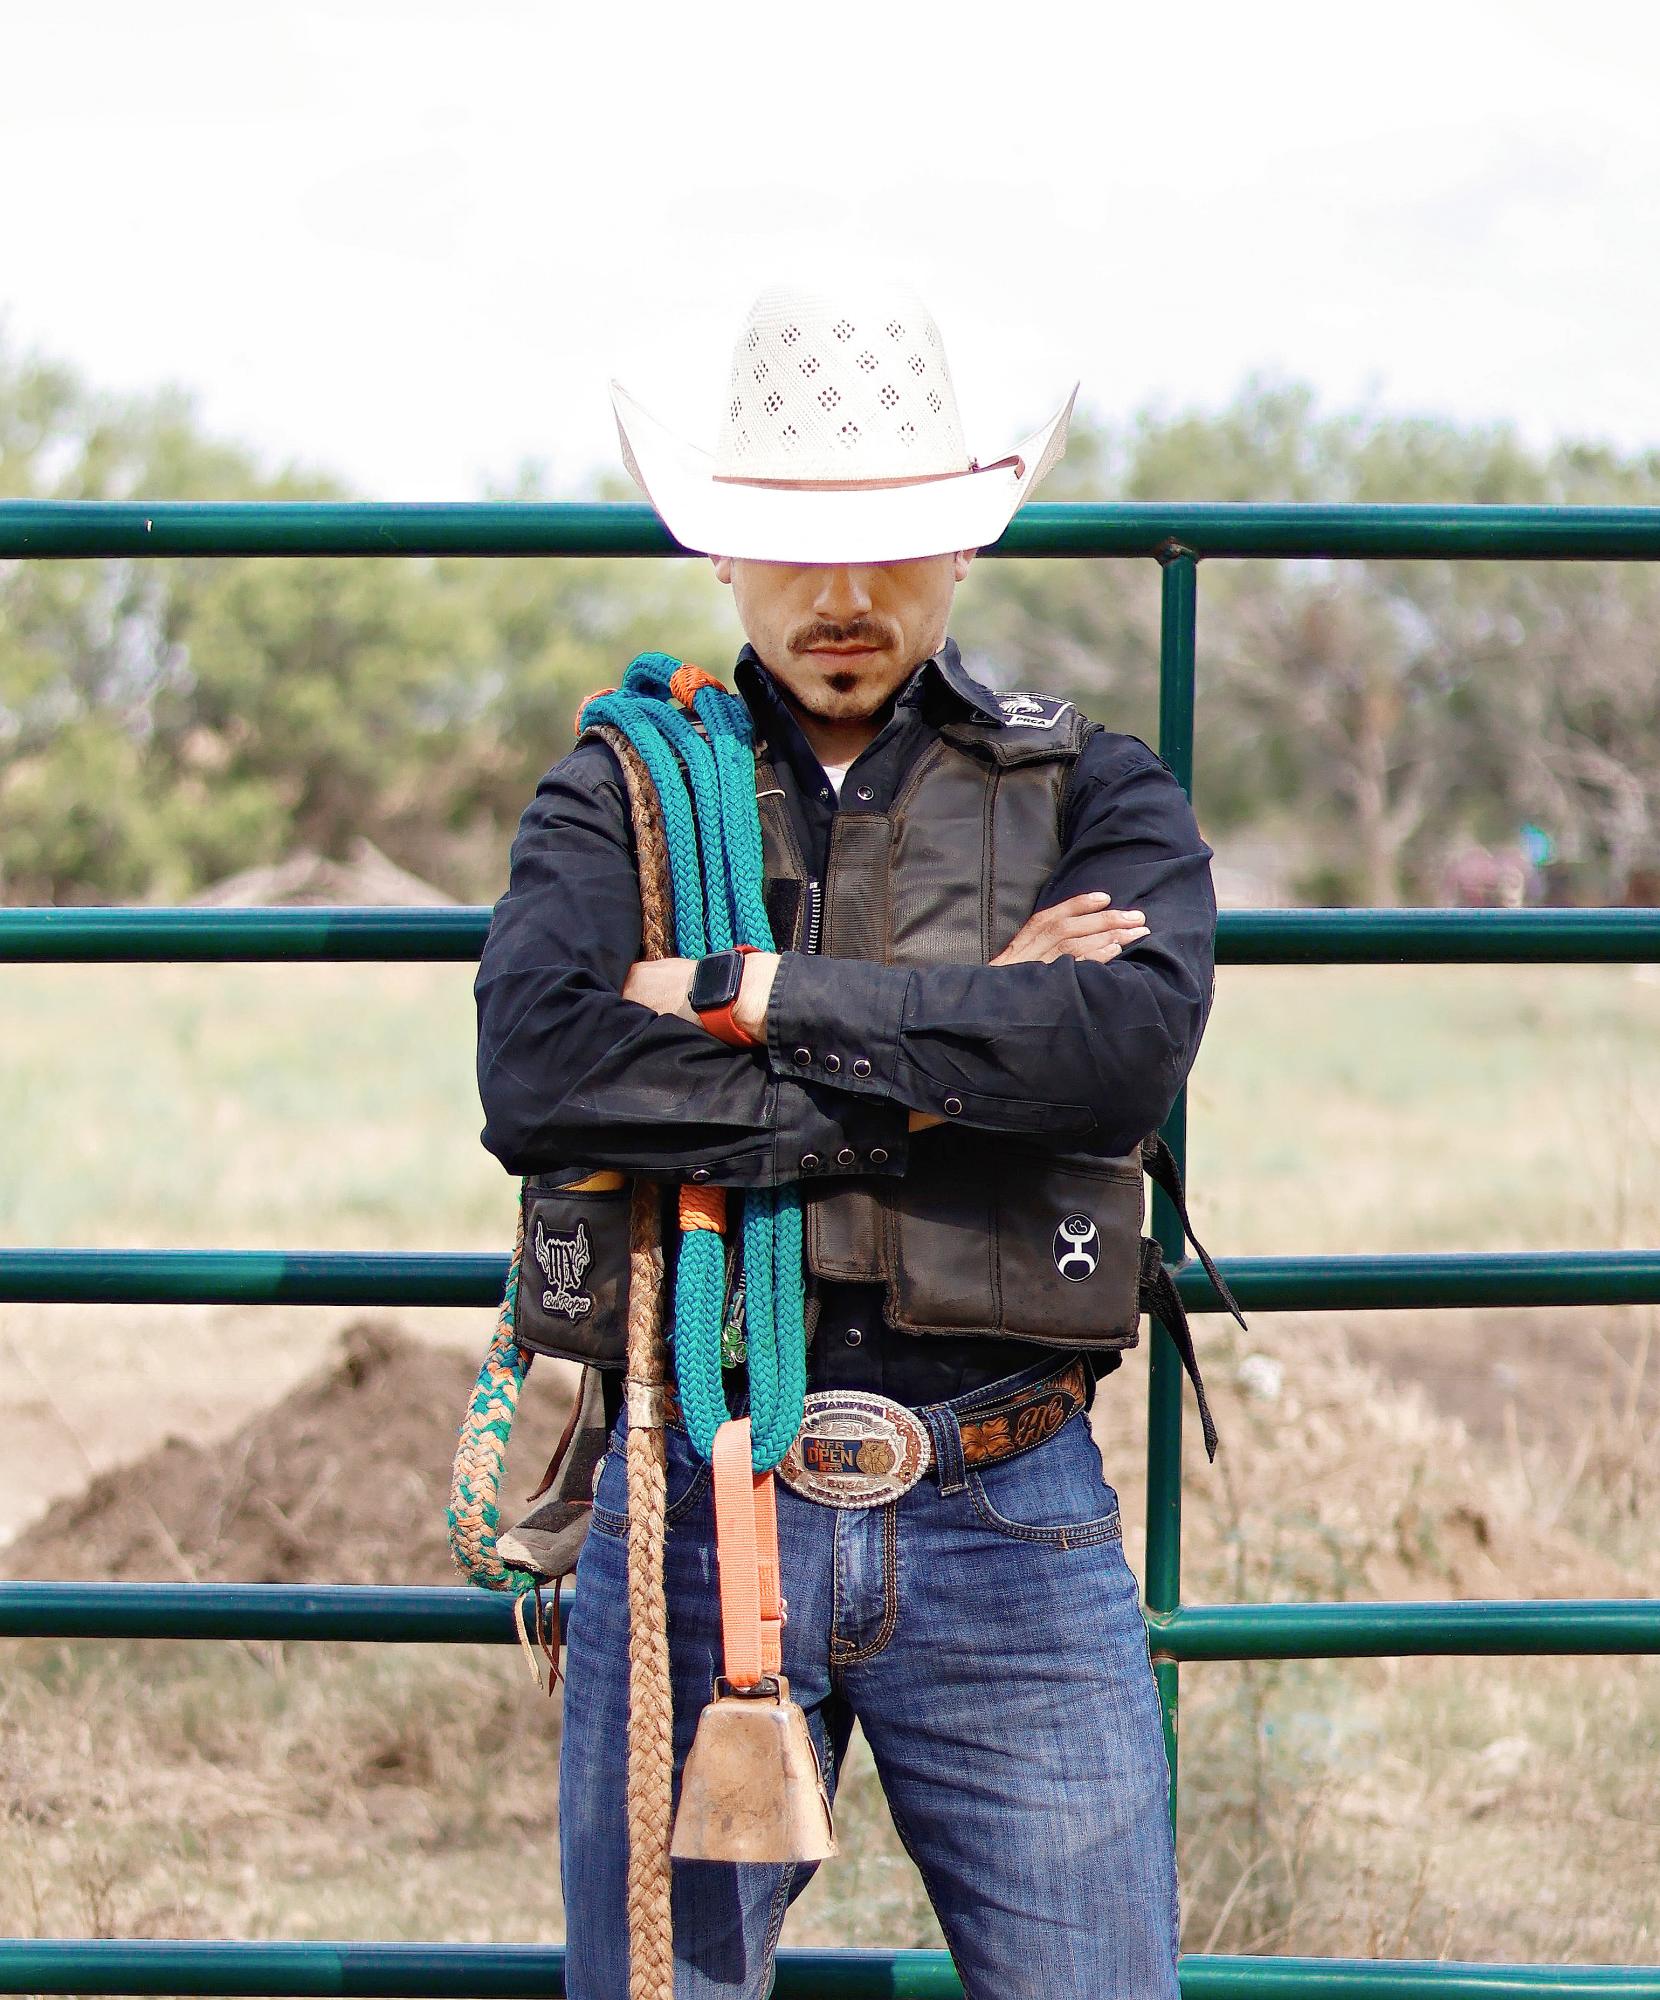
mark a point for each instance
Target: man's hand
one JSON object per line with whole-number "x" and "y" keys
{"x": 662, "y": 984}
{"x": 1081, "y": 927}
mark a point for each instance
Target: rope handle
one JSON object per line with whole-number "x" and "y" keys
{"x": 746, "y": 1548}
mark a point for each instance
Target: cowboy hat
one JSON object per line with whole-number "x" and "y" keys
{"x": 840, "y": 441}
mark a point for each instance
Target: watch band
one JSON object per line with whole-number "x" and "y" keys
{"x": 718, "y": 1018}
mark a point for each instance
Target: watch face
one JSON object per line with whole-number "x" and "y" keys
{"x": 716, "y": 981}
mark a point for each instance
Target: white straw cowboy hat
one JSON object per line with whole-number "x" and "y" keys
{"x": 840, "y": 441}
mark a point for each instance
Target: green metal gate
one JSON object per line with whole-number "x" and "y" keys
{"x": 1177, "y": 538}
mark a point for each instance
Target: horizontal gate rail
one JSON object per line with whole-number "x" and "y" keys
{"x": 63, "y": 528}
{"x": 455, "y": 1615}
{"x": 347, "y": 1966}
{"x": 438, "y": 1278}
{"x": 253, "y": 1277}
{"x": 438, "y": 936}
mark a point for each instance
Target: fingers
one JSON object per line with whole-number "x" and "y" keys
{"x": 1081, "y": 927}
{"x": 1093, "y": 942}
{"x": 1097, "y": 951}
{"x": 1091, "y": 950}
{"x": 1098, "y": 922}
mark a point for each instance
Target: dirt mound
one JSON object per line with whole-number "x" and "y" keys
{"x": 345, "y": 1480}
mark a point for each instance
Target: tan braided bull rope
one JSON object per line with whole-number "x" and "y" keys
{"x": 650, "y": 1692}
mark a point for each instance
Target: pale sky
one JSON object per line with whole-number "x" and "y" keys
{"x": 411, "y": 242}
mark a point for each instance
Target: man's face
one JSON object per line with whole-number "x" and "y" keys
{"x": 843, "y": 638}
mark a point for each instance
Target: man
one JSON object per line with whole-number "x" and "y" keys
{"x": 999, "y": 927}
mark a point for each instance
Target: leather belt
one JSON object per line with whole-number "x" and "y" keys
{"x": 858, "y": 1449}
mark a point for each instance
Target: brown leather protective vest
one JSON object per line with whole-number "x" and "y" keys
{"x": 985, "y": 1233}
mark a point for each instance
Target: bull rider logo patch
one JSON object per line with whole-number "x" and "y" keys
{"x": 1077, "y": 1248}
{"x": 564, "y": 1261}
{"x": 1031, "y": 711}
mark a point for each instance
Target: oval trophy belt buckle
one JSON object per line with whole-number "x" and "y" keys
{"x": 855, "y": 1449}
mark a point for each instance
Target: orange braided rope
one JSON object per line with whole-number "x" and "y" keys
{"x": 702, "y": 1208}
{"x": 685, "y": 681}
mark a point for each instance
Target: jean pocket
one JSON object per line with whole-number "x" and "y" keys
{"x": 1054, "y": 1496}
{"x": 686, "y": 1479}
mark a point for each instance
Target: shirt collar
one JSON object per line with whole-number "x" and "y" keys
{"x": 942, "y": 672}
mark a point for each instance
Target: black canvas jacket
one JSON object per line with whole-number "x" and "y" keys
{"x": 572, "y": 1074}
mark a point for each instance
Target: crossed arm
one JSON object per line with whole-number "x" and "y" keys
{"x": 1082, "y": 1030}
{"x": 1084, "y": 926}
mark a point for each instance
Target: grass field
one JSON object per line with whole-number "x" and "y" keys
{"x": 1484, "y": 1809}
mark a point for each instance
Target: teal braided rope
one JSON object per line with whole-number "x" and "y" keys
{"x": 683, "y": 770}
{"x": 772, "y": 1216}
{"x": 773, "y": 1303}
{"x": 732, "y": 740}
{"x": 698, "y": 762}
{"x": 774, "y": 1430}
{"x": 638, "y": 722}
{"x": 699, "y": 1295}
{"x": 706, "y": 781}
{"x": 673, "y": 753}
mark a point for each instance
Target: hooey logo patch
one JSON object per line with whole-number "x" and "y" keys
{"x": 1077, "y": 1248}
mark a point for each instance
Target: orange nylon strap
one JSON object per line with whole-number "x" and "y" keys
{"x": 766, "y": 1572}
{"x": 746, "y": 1547}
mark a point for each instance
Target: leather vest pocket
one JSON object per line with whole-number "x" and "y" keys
{"x": 573, "y": 1275}
{"x": 1012, "y": 1241}
{"x": 844, "y": 1231}
{"x": 1069, "y": 1246}
{"x": 942, "y": 1242}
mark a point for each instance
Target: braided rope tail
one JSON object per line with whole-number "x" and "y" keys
{"x": 650, "y": 1691}
{"x": 474, "y": 1515}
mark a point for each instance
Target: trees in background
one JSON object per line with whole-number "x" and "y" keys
{"x": 166, "y": 723}
{"x": 1389, "y": 711}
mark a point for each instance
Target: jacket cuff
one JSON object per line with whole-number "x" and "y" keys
{"x": 835, "y": 1022}
{"x": 823, "y": 1137}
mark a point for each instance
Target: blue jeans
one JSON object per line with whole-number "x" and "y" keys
{"x": 986, "y": 1632}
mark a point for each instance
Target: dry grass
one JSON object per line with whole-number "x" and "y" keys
{"x": 1485, "y": 1809}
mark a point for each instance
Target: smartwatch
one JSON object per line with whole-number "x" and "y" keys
{"x": 715, "y": 984}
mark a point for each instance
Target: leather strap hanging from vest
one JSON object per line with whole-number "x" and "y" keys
{"x": 746, "y": 1550}
{"x": 1158, "y": 1283}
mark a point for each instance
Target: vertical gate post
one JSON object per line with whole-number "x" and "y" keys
{"x": 1163, "y": 1586}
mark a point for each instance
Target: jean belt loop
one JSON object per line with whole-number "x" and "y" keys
{"x": 947, "y": 1439}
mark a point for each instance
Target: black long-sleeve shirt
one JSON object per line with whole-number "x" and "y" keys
{"x": 572, "y": 1074}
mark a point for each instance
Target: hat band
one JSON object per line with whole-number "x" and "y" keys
{"x": 1014, "y": 461}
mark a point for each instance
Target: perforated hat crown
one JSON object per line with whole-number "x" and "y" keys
{"x": 828, "y": 388}
{"x": 839, "y": 441}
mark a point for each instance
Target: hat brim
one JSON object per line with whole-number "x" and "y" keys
{"x": 814, "y": 524}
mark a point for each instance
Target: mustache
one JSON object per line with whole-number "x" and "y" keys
{"x": 859, "y": 632}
